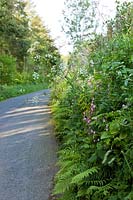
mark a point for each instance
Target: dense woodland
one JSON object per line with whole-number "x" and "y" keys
{"x": 27, "y": 52}
{"x": 92, "y": 106}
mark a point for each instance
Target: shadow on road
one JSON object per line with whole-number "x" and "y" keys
{"x": 27, "y": 148}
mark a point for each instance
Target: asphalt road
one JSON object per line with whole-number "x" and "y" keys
{"x": 27, "y": 148}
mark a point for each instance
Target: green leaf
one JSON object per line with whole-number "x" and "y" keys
{"x": 61, "y": 186}
{"x": 123, "y": 135}
{"x": 93, "y": 158}
{"x": 114, "y": 126}
{"x": 105, "y": 135}
{"x": 106, "y": 156}
{"x": 84, "y": 174}
{"x": 126, "y": 82}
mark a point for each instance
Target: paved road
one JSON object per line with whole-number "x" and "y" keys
{"x": 27, "y": 148}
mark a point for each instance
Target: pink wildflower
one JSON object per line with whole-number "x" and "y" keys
{"x": 89, "y": 82}
{"x": 88, "y": 120}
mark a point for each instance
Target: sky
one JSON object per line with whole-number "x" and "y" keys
{"x": 51, "y": 13}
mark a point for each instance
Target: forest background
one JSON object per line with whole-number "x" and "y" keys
{"x": 28, "y": 56}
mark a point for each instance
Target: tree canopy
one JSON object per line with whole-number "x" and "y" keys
{"x": 24, "y": 37}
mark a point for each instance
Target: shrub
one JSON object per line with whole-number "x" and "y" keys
{"x": 93, "y": 122}
{"x": 7, "y": 69}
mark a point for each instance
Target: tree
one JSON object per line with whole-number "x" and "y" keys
{"x": 123, "y": 22}
{"x": 78, "y": 21}
{"x": 7, "y": 69}
{"x": 24, "y": 37}
{"x": 14, "y": 30}
{"x": 42, "y": 50}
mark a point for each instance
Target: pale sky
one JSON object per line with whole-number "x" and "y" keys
{"x": 51, "y": 13}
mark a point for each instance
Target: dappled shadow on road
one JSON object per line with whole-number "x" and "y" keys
{"x": 28, "y": 120}
{"x": 27, "y": 148}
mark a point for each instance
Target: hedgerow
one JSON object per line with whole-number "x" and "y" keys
{"x": 92, "y": 109}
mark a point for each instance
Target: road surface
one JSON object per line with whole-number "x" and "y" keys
{"x": 27, "y": 148}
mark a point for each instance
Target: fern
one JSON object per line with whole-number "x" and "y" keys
{"x": 104, "y": 190}
{"x": 96, "y": 182}
{"x": 66, "y": 173}
{"x": 65, "y": 163}
{"x": 69, "y": 195}
{"x": 81, "y": 192}
{"x": 64, "y": 178}
{"x": 78, "y": 178}
{"x": 62, "y": 186}
{"x": 129, "y": 196}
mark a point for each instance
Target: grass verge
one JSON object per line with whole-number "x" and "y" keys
{"x": 17, "y": 90}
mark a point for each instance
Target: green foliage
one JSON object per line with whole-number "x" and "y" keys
{"x": 24, "y": 37}
{"x": 42, "y": 50}
{"x": 14, "y": 30}
{"x": 124, "y": 17}
{"x": 16, "y": 90}
{"x": 7, "y": 69}
{"x": 78, "y": 19}
{"x": 93, "y": 119}
{"x": 80, "y": 177}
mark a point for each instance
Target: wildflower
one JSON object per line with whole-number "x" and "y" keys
{"x": 85, "y": 118}
{"x": 88, "y": 120}
{"x": 35, "y": 76}
{"x": 107, "y": 127}
{"x": 124, "y": 106}
{"x": 92, "y": 132}
{"x": 91, "y": 62}
{"x": 89, "y": 82}
{"x": 104, "y": 120}
{"x": 93, "y": 106}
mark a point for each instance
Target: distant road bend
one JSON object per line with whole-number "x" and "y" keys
{"x": 27, "y": 148}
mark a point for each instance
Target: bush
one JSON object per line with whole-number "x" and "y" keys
{"x": 93, "y": 122}
{"x": 7, "y": 69}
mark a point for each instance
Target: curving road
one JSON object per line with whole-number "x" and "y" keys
{"x": 27, "y": 148}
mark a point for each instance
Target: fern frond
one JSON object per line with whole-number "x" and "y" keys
{"x": 66, "y": 170}
{"x": 81, "y": 192}
{"x": 96, "y": 182}
{"x": 66, "y": 163}
{"x": 67, "y": 174}
{"x": 69, "y": 195}
{"x": 68, "y": 154}
{"x": 129, "y": 196}
{"x": 103, "y": 189}
{"x": 76, "y": 179}
{"x": 62, "y": 186}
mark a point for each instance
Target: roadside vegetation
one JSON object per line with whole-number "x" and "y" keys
{"x": 28, "y": 57}
{"x": 17, "y": 90}
{"x": 92, "y": 107}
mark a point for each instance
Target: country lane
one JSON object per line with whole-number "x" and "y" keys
{"x": 27, "y": 148}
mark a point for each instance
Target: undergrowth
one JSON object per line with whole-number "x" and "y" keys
{"x": 92, "y": 109}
